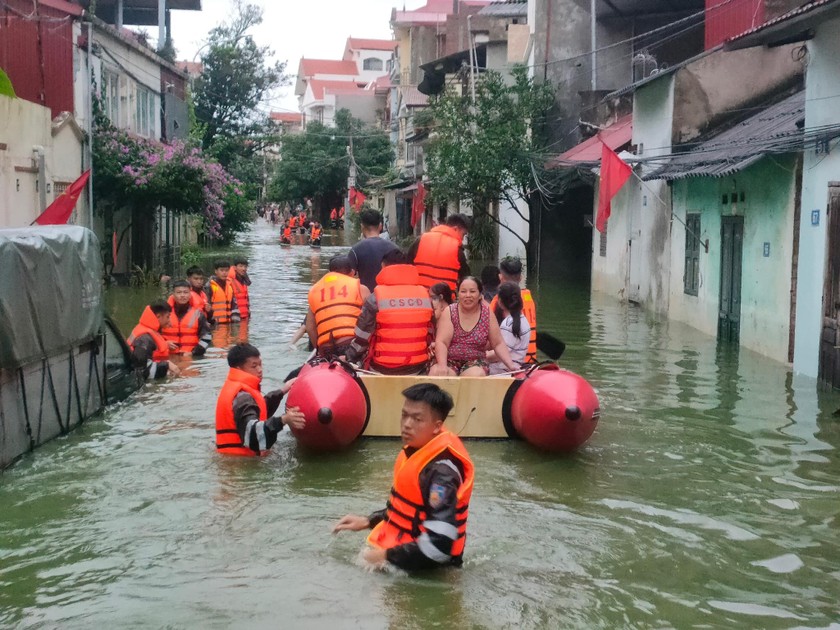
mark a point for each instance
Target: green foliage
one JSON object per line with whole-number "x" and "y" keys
{"x": 316, "y": 163}
{"x": 190, "y": 256}
{"x": 479, "y": 150}
{"x": 6, "y": 88}
{"x": 482, "y": 239}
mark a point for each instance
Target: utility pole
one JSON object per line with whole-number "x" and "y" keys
{"x": 351, "y": 180}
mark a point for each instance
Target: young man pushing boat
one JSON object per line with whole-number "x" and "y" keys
{"x": 424, "y": 523}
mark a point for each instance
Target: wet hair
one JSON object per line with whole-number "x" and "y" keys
{"x": 240, "y": 353}
{"x": 511, "y": 267}
{"x": 240, "y": 260}
{"x": 341, "y": 264}
{"x": 180, "y": 283}
{"x": 458, "y": 221}
{"x": 394, "y": 257}
{"x": 443, "y": 290}
{"x": 370, "y": 218}
{"x": 195, "y": 271}
{"x": 439, "y": 400}
{"x": 478, "y": 282}
{"x": 510, "y": 296}
{"x": 221, "y": 264}
{"x": 159, "y": 307}
{"x": 490, "y": 277}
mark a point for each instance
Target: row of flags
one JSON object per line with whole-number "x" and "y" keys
{"x": 614, "y": 174}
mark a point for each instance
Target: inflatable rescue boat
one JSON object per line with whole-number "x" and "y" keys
{"x": 548, "y": 407}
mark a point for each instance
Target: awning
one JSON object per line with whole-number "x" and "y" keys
{"x": 615, "y": 136}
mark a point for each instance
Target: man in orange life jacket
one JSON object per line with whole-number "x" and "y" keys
{"x": 424, "y": 523}
{"x": 439, "y": 253}
{"x": 188, "y": 328}
{"x": 241, "y": 281}
{"x": 396, "y": 321}
{"x": 335, "y": 302}
{"x": 245, "y": 424}
{"x": 149, "y": 350}
{"x": 198, "y": 298}
{"x": 219, "y": 290}
{"x": 510, "y": 270}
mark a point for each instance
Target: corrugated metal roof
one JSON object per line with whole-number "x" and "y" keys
{"x": 616, "y": 135}
{"x": 777, "y": 129}
{"x": 506, "y": 8}
{"x": 799, "y": 14}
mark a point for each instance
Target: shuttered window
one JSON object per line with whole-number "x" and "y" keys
{"x": 691, "y": 279}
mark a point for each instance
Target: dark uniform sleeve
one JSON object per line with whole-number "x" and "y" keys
{"x": 141, "y": 357}
{"x": 204, "y": 336}
{"x": 365, "y": 327}
{"x": 412, "y": 251}
{"x": 354, "y": 260}
{"x": 439, "y": 483}
{"x": 464, "y": 269}
{"x": 256, "y": 434}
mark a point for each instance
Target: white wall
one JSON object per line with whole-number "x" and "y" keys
{"x": 24, "y": 125}
{"x": 821, "y": 108}
{"x": 510, "y": 245}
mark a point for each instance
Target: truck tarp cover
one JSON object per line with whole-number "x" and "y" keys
{"x": 50, "y": 292}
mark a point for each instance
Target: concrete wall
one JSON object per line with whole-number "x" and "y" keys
{"x": 768, "y": 211}
{"x": 821, "y": 108}
{"x": 23, "y": 126}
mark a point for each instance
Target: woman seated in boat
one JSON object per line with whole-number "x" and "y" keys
{"x": 513, "y": 324}
{"x": 462, "y": 339}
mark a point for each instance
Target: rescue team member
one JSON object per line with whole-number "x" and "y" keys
{"x": 335, "y": 302}
{"x": 439, "y": 253}
{"x": 395, "y": 322}
{"x": 366, "y": 255}
{"x": 333, "y": 217}
{"x": 241, "y": 281}
{"x": 510, "y": 270}
{"x": 243, "y": 425}
{"x": 198, "y": 298}
{"x": 286, "y": 236}
{"x": 149, "y": 350}
{"x": 188, "y": 328}
{"x": 293, "y": 221}
{"x": 315, "y": 234}
{"x": 424, "y": 523}
{"x": 219, "y": 290}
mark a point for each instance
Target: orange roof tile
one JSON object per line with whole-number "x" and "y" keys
{"x": 311, "y": 67}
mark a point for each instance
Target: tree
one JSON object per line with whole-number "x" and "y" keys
{"x": 482, "y": 150}
{"x": 316, "y": 163}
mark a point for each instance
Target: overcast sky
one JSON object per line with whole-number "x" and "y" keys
{"x": 293, "y": 29}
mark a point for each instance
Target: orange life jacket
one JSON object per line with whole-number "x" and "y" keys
{"x": 402, "y": 321}
{"x": 302, "y": 220}
{"x": 287, "y": 233}
{"x": 183, "y": 331}
{"x": 529, "y": 310}
{"x": 150, "y": 325}
{"x": 406, "y": 510}
{"x": 333, "y": 214}
{"x": 336, "y": 301}
{"x": 240, "y": 290}
{"x": 228, "y": 441}
{"x": 316, "y": 233}
{"x": 221, "y": 301}
{"x": 198, "y": 299}
{"x": 341, "y": 212}
{"x": 437, "y": 257}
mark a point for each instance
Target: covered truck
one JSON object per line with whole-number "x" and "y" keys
{"x": 61, "y": 359}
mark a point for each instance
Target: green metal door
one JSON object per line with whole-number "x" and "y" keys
{"x": 731, "y": 239}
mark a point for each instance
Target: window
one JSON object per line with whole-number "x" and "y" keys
{"x": 691, "y": 279}
{"x": 372, "y": 64}
{"x": 144, "y": 123}
{"x": 111, "y": 96}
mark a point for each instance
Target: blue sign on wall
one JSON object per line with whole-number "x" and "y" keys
{"x": 766, "y": 249}
{"x": 815, "y": 217}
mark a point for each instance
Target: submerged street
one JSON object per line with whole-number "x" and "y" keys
{"x": 708, "y": 496}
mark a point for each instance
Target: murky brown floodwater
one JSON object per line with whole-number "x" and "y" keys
{"x": 708, "y": 497}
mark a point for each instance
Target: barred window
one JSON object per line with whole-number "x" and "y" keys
{"x": 691, "y": 279}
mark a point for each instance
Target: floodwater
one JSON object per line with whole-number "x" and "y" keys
{"x": 708, "y": 497}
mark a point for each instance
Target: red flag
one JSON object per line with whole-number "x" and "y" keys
{"x": 614, "y": 172}
{"x": 418, "y": 204}
{"x": 357, "y": 198}
{"x": 59, "y": 211}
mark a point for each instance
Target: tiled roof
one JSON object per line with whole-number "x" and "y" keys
{"x": 356, "y": 43}
{"x": 193, "y": 68}
{"x": 616, "y": 135}
{"x": 381, "y": 83}
{"x": 412, "y": 97}
{"x": 287, "y": 117}
{"x": 799, "y": 12}
{"x": 319, "y": 86}
{"x": 311, "y": 67}
{"x": 433, "y": 12}
{"x": 506, "y": 8}
{"x": 776, "y": 129}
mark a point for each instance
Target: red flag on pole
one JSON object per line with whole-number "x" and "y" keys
{"x": 418, "y": 204}
{"x": 59, "y": 211}
{"x": 614, "y": 172}
{"x": 357, "y": 198}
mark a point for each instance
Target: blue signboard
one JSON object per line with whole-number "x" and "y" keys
{"x": 815, "y": 217}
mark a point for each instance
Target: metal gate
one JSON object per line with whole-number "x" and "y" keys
{"x": 829, "y": 370}
{"x": 729, "y": 317}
